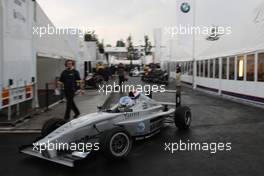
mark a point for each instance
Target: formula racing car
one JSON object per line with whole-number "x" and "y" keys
{"x": 134, "y": 117}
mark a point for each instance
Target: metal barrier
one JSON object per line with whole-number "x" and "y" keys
{"x": 21, "y": 101}
{"x": 14, "y": 100}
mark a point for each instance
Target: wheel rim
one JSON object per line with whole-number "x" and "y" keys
{"x": 188, "y": 118}
{"x": 119, "y": 144}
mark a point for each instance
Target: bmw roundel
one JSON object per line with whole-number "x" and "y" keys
{"x": 141, "y": 127}
{"x": 185, "y": 7}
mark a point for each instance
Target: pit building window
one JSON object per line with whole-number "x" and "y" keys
{"x": 261, "y": 67}
{"x": 251, "y": 67}
{"x": 240, "y": 68}
{"x": 231, "y": 68}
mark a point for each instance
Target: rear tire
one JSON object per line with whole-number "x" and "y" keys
{"x": 183, "y": 117}
{"x": 51, "y": 125}
{"x": 116, "y": 143}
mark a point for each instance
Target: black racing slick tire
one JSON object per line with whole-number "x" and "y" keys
{"x": 116, "y": 143}
{"x": 183, "y": 117}
{"x": 51, "y": 125}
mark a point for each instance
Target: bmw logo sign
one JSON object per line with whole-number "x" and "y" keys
{"x": 141, "y": 127}
{"x": 185, "y": 7}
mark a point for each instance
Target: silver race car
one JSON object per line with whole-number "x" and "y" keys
{"x": 111, "y": 131}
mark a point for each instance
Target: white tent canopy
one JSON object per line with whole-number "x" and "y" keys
{"x": 55, "y": 45}
{"x": 244, "y": 18}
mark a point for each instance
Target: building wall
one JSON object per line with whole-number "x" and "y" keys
{"x": 47, "y": 71}
{"x": 91, "y": 49}
{"x": 52, "y": 44}
{"x": 225, "y": 76}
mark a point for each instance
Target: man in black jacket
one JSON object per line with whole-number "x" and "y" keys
{"x": 70, "y": 78}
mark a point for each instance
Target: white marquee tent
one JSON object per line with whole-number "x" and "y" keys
{"x": 53, "y": 46}
{"x": 245, "y": 19}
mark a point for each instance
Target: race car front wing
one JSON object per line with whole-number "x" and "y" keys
{"x": 67, "y": 159}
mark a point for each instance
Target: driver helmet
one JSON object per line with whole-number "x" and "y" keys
{"x": 125, "y": 103}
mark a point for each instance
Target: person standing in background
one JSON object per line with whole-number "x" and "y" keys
{"x": 178, "y": 86}
{"x": 112, "y": 71}
{"x": 106, "y": 73}
{"x": 71, "y": 81}
{"x": 178, "y": 78}
{"x": 121, "y": 73}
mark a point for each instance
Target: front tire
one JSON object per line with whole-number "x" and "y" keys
{"x": 51, "y": 125}
{"x": 183, "y": 117}
{"x": 116, "y": 143}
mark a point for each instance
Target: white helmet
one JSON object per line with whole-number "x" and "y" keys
{"x": 125, "y": 102}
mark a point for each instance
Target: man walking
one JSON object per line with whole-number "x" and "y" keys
{"x": 70, "y": 78}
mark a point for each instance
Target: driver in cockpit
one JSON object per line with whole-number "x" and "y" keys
{"x": 125, "y": 103}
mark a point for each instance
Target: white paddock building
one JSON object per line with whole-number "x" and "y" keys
{"x": 28, "y": 61}
{"x": 229, "y": 63}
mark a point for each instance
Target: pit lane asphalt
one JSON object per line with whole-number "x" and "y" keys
{"x": 214, "y": 120}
